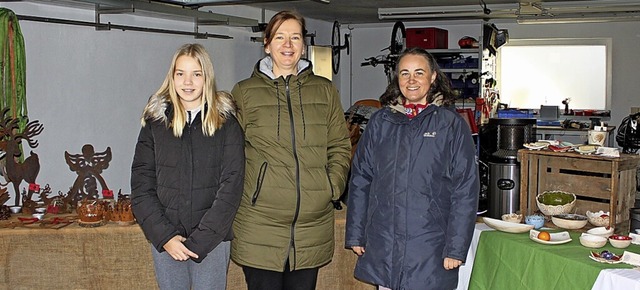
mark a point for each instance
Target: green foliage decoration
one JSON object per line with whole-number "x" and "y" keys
{"x": 13, "y": 69}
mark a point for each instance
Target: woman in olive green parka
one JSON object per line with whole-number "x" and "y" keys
{"x": 297, "y": 157}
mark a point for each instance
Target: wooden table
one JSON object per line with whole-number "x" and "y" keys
{"x": 599, "y": 183}
{"x": 118, "y": 257}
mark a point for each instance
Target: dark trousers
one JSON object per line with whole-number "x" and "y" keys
{"x": 259, "y": 279}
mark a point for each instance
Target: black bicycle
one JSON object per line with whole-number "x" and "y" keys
{"x": 398, "y": 44}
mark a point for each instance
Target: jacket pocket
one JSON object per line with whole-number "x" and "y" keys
{"x": 326, "y": 169}
{"x": 436, "y": 212}
{"x": 259, "y": 182}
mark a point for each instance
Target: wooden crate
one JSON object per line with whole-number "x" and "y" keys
{"x": 599, "y": 183}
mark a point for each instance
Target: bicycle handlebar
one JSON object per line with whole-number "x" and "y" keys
{"x": 372, "y": 61}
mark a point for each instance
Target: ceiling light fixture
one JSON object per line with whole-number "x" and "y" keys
{"x": 447, "y": 12}
{"x": 580, "y": 18}
{"x": 531, "y": 12}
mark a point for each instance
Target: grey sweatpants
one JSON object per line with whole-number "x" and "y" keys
{"x": 211, "y": 273}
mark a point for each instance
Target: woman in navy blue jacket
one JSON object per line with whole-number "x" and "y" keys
{"x": 413, "y": 193}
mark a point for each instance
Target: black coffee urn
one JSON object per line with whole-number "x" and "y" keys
{"x": 500, "y": 141}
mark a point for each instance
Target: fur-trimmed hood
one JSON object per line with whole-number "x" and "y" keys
{"x": 159, "y": 107}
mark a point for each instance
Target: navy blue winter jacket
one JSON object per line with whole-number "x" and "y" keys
{"x": 413, "y": 198}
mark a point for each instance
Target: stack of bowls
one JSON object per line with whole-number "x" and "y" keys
{"x": 604, "y": 232}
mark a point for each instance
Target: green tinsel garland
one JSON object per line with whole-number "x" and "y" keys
{"x": 13, "y": 68}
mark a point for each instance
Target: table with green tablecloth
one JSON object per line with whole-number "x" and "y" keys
{"x": 514, "y": 261}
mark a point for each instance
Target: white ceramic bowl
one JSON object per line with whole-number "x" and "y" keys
{"x": 598, "y": 219}
{"x": 38, "y": 215}
{"x": 620, "y": 242}
{"x": 15, "y": 209}
{"x": 592, "y": 241}
{"x": 506, "y": 226}
{"x": 601, "y": 231}
{"x": 569, "y": 221}
{"x": 40, "y": 210}
{"x": 512, "y": 217}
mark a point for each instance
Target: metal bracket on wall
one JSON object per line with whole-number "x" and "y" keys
{"x": 149, "y": 9}
{"x": 102, "y": 10}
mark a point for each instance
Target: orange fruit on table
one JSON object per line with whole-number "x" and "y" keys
{"x": 545, "y": 236}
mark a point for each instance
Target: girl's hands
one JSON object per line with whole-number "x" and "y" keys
{"x": 176, "y": 249}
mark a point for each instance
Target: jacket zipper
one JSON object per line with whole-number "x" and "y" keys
{"x": 295, "y": 157}
{"x": 261, "y": 173}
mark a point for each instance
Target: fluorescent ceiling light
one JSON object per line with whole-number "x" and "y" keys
{"x": 580, "y": 18}
{"x": 212, "y": 2}
{"x": 443, "y": 12}
{"x": 531, "y": 12}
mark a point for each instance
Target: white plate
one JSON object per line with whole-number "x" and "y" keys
{"x": 585, "y": 152}
{"x": 508, "y": 227}
{"x": 586, "y": 149}
{"x": 556, "y": 238}
{"x": 536, "y": 145}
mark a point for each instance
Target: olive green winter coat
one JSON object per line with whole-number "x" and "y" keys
{"x": 297, "y": 158}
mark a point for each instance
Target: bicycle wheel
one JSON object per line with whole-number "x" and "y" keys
{"x": 335, "y": 47}
{"x": 398, "y": 38}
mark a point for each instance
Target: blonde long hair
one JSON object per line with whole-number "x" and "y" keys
{"x": 219, "y": 105}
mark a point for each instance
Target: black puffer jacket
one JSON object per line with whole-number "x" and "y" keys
{"x": 189, "y": 186}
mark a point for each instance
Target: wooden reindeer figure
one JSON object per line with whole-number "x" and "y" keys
{"x": 10, "y": 140}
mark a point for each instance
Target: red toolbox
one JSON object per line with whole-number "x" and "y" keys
{"x": 427, "y": 38}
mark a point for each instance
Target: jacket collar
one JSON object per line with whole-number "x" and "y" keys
{"x": 399, "y": 107}
{"x": 264, "y": 69}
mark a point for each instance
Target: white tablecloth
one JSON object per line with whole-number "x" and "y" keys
{"x": 464, "y": 275}
{"x": 618, "y": 279}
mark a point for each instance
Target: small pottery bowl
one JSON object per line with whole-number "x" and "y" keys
{"x": 569, "y": 221}
{"x": 620, "y": 242}
{"x": 592, "y": 241}
{"x": 38, "y": 215}
{"x": 15, "y": 209}
{"x": 599, "y": 218}
{"x": 536, "y": 220}
{"x": 512, "y": 217}
{"x": 601, "y": 231}
{"x": 40, "y": 210}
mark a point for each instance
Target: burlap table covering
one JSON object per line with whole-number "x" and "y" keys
{"x": 118, "y": 257}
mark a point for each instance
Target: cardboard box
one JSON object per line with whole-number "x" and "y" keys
{"x": 427, "y": 38}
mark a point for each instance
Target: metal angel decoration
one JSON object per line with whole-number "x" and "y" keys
{"x": 89, "y": 166}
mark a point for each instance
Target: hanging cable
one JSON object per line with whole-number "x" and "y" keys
{"x": 486, "y": 10}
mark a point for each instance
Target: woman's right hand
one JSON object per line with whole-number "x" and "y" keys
{"x": 176, "y": 249}
{"x": 358, "y": 250}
